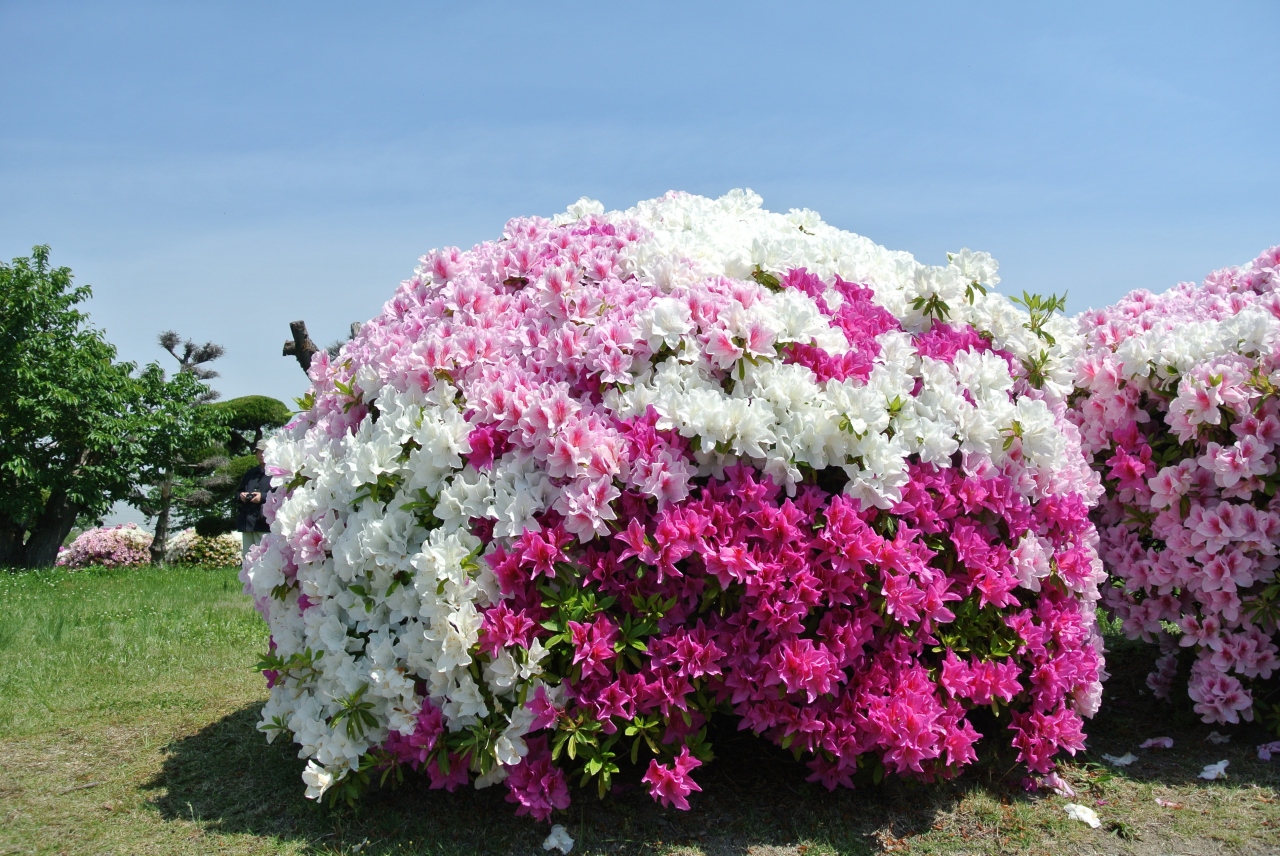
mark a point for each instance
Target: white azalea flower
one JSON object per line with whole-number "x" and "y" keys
{"x": 318, "y": 780}
{"x": 1214, "y": 771}
{"x": 558, "y": 840}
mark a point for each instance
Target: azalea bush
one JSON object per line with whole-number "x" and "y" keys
{"x": 578, "y": 490}
{"x": 188, "y": 547}
{"x": 1177, "y": 405}
{"x": 120, "y": 546}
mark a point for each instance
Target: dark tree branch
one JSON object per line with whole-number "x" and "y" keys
{"x": 301, "y": 347}
{"x": 193, "y": 357}
{"x": 206, "y": 353}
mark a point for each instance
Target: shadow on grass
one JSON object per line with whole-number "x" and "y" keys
{"x": 1131, "y": 714}
{"x": 226, "y": 778}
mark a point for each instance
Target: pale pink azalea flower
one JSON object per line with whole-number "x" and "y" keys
{"x": 586, "y": 506}
{"x": 1268, "y": 750}
{"x": 1058, "y": 785}
{"x": 722, "y": 350}
{"x": 1219, "y": 698}
{"x": 1169, "y": 485}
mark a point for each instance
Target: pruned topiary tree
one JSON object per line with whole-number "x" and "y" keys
{"x": 248, "y": 418}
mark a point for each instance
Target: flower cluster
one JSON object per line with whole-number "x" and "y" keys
{"x": 110, "y": 546}
{"x": 187, "y": 548}
{"x": 578, "y": 490}
{"x": 1178, "y": 408}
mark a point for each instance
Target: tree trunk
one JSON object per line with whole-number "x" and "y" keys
{"x": 55, "y": 523}
{"x": 301, "y": 345}
{"x": 11, "y": 535}
{"x": 160, "y": 541}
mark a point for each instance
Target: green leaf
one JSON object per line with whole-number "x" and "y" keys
{"x": 355, "y": 713}
{"x": 766, "y": 279}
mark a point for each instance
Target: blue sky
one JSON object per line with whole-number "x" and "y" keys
{"x": 222, "y": 169}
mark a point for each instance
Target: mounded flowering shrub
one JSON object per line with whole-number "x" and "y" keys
{"x": 178, "y": 544}
{"x": 1178, "y": 407}
{"x": 577, "y": 490}
{"x": 119, "y": 546}
{"x": 189, "y": 548}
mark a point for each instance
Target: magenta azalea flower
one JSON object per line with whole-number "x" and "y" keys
{"x": 671, "y": 784}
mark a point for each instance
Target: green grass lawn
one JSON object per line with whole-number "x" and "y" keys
{"x": 127, "y": 713}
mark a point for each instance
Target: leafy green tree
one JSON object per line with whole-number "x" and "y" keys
{"x": 68, "y": 429}
{"x": 177, "y": 431}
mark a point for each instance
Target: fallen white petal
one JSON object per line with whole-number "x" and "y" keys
{"x": 1168, "y": 803}
{"x": 1157, "y": 743}
{"x": 1082, "y": 813}
{"x": 1215, "y": 771}
{"x": 1123, "y": 761}
{"x": 558, "y": 840}
{"x": 1218, "y": 739}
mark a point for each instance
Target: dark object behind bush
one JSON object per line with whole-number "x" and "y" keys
{"x": 212, "y": 509}
{"x": 218, "y": 514}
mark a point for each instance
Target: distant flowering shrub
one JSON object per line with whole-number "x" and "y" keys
{"x": 187, "y": 547}
{"x": 111, "y": 546}
{"x": 580, "y": 489}
{"x": 178, "y": 543}
{"x": 1177, "y": 404}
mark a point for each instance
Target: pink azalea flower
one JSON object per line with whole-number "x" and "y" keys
{"x": 671, "y": 784}
{"x": 536, "y": 785}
